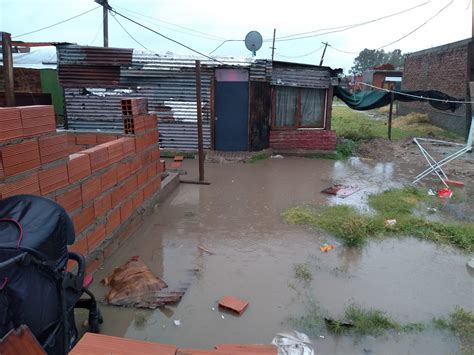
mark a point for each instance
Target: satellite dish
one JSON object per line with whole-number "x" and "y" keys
{"x": 253, "y": 41}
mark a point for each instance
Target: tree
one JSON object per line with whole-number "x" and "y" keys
{"x": 369, "y": 58}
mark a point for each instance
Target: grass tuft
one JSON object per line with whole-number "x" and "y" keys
{"x": 354, "y": 227}
{"x": 303, "y": 272}
{"x": 369, "y": 321}
{"x": 461, "y": 323}
{"x": 259, "y": 156}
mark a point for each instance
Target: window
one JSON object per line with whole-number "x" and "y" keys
{"x": 298, "y": 107}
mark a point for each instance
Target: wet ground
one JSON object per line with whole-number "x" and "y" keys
{"x": 237, "y": 217}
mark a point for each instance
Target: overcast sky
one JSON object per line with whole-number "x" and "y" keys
{"x": 221, "y": 20}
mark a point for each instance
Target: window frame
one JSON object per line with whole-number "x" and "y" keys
{"x": 297, "y": 124}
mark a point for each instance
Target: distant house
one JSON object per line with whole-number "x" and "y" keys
{"x": 383, "y": 76}
{"x": 447, "y": 68}
{"x": 247, "y": 104}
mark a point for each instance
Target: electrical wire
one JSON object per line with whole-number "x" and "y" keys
{"x": 123, "y": 28}
{"x": 329, "y": 30}
{"x": 300, "y": 56}
{"x": 341, "y": 50}
{"x": 202, "y": 34}
{"x": 98, "y": 30}
{"x": 418, "y": 97}
{"x": 420, "y": 26}
{"x": 225, "y": 41}
{"x": 164, "y": 36}
{"x": 57, "y": 23}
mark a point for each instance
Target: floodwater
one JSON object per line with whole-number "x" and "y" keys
{"x": 237, "y": 217}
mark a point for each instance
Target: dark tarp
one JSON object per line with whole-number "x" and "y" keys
{"x": 368, "y": 100}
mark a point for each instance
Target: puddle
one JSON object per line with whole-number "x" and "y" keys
{"x": 237, "y": 218}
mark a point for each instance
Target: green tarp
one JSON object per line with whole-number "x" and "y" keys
{"x": 368, "y": 100}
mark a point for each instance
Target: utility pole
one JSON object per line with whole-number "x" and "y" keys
{"x": 106, "y": 7}
{"x": 324, "y": 52}
{"x": 8, "y": 69}
{"x": 199, "y": 120}
{"x": 273, "y": 45}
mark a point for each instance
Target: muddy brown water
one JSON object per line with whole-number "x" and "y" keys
{"x": 238, "y": 218}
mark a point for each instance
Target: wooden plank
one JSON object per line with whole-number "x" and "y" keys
{"x": 92, "y": 344}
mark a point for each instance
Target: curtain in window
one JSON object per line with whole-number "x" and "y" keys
{"x": 312, "y": 106}
{"x": 286, "y": 104}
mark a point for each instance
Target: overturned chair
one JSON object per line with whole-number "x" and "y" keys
{"x": 427, "y": 147}
{"x": 35, "y": 288}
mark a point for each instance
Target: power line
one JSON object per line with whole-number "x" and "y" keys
{"x": 300, "y": 56}
{"x": 225, "y": 41}
{"x": 123, "y": 28}
{"x": 304, "y": 35}
{"x": 101, "y": 24}
{"x": 57, "y": 23}
{"x": 203, "y": 34}
{"x": 420, "y": 26}
{"x": 341, "y": 50}
{"x": 164, "y": 36}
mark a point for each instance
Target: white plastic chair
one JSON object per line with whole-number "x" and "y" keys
{"x": 436, "y": 166}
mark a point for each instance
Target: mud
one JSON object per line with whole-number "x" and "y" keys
{"x": 237, "y": 218}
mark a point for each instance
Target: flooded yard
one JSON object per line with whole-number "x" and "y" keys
{"x": 238, "y": 219}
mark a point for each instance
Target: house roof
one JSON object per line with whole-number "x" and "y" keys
{"x": 37, "y": 58}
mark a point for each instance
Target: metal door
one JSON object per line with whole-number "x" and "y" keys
{"x": 231, "y": 110}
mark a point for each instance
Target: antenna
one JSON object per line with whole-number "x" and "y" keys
{"x": 253, "y": 41}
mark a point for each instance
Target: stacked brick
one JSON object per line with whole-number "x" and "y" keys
{"x": 304, "y": 139}
{"x": 102, "y": 187}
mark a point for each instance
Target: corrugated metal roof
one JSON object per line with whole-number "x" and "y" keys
{"x": 84, "y": 55}
{"x": 301, "y": 76}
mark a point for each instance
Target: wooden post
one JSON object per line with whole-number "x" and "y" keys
{"x": 106, "y": 23}
{"x": 8, "y": 69}
{"x": 273, "y": 45}
{"x": 199, "y": 120}
{"x": 390, "y": 116}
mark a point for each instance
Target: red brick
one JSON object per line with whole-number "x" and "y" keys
{"x": 155, "y": 154}
{"x": 86, "y": 139}
{"x": 90, "y": 189}
{"x": 102, "y": 205}
{"x": 146, "y": 158}
{"x": 20, "y": 157}
{"x": 71, "y": 199}
{"x": 53, "y": 179}
{"x": 126, "y": 210}
{"x": 79, "y": 246}
{"x": 83, "y": 219}
{"x": 37, "y": 119}
{"x": 96, "y": 237}
{"x": 104, "y": 138}
{"x": 108, "y": 179}
{"x": 27, "y": 185}
{"x": 53, "y": 148}
{"x": 33, "y": 111}
{"x": 114, "y": 150}
{"x": 113, "y": 221}
{"x": 78, "y": 167}
{"x": 148, "y": 190}
{"x": 135, "y": 165}
{"x": 71, "y": 139}
{"x": 150, "y": 121}
{"x": 138, "y": 199}
{"x": 123, "y": 171}
{"x": 151, "y": 170}
{"x": 162, "y": 167}
{"x": 157, "y": 183}
{"x": 140, "y": 142}
{"x": 10, "y": 123}
{"x": 99, "y": 157}
{"x": 233, "y": 304}
{"x": 142, "y": 177}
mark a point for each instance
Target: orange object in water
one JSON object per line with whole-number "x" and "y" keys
{"x": 326, "y": 247}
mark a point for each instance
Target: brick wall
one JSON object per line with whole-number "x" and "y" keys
{"x": 102, "y": 180}
{"x": 443, "y": 68}
{"x": 305, "y": 139}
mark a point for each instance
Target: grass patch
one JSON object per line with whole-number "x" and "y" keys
{"x": 369, "y": 321}
{"x": 259, "y": 156}
{"x": 461, "y": 323}
{"x": 172, "y": 154}
{"x": 303, "y": 272}
{"x": 357, "y": 126}
{"x": 354, "y": 227}
{"x": 312, "y": 322}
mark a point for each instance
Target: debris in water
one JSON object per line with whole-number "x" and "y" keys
{"x": 445, "y": 193}
{"x": 432, "y": 210}
{"x": 233, "y": 304}
{"x": 177, "y": 322}
{"x": 341, "y": 191}
{"x": 222, "y": 317}
{"x": 293, "y": 343}
{"x": 454, "y": 183}
{"x": 331, "y": 323}
{"x": 134, "y": 285}
{"x": 470, "y": 263}
{"x": 322, "y": 336}
{"x": 326, "y": 247}
{"x": 278, "y": 156}
{"x": 390, "y": 222}
{"x": 431, "y": 193}
{"x": 206, "y": 250}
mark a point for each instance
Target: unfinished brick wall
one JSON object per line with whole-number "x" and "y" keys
{"x": 305, "y": 139}
{"x": 443, "y": 68}
{"x": 102, "y": 180}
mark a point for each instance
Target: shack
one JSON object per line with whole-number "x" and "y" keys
{"x": 243, "y": 99}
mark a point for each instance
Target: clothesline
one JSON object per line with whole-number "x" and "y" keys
{"x": 418, "y": 97}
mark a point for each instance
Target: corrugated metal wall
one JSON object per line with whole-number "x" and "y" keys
{"x": 299, "y": 75}
{"x": 93, "y": 97}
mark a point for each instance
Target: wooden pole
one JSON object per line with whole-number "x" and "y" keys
{"x": 8, "y": 69}
{"x": 199, "y": 120}
{"x": 390, "y": 116}
{"x": 105, "y": 8}
{"x": 324, "y": 52}
{"x": 273, "y": 45}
